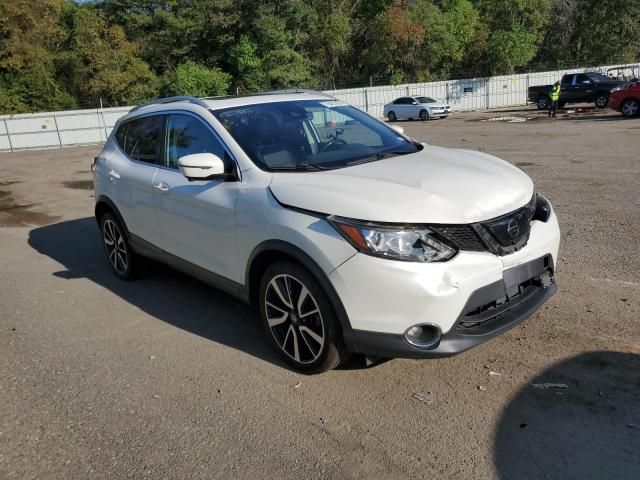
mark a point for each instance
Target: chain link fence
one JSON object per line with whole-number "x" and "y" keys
{"x": 82, "y": 127}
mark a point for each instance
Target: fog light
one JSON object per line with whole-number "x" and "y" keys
{"x": 423, "y": 336}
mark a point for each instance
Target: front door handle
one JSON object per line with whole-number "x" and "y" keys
{"x": 162, "y": 186}
{"x": 114, "y": 175}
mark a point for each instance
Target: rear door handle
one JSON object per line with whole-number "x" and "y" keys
{"x": 113, "y": 175}
{"x": 162, "y": 186}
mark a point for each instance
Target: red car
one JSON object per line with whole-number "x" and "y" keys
{"x": 626, "y": 99}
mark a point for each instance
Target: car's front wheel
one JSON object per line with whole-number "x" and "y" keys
{"x": 299, "y": 319}
{"x": 119, "y": 252}
{"x": 424, "y": 115}
{"x": 630, "y": 107}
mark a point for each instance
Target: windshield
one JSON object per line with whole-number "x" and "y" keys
{"x": 426, "y": 100}
{"x": 311, "y": 135}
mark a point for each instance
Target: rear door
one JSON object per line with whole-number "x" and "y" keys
{"x": 585, "y": 88}
{"x": 197, "y": 218}
{"x": 567, "y": 93}
{"x": 140, "y": 143}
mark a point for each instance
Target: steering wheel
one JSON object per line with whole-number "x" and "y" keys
{"x": 332, "y": 143}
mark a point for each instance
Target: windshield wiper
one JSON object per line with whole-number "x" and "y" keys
{"x": 377, "y": 156}
{"x": 301, "y": 167}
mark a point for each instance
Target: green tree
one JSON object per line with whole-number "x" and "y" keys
{"x": 247, "y": 65}
{"x": 105, "y": 64}
{"x": 29, "y": 35}
{"x": 514, "y": 30}
{"x": 330, "y": 40}
{"x": 587, "y": 32}
{"x": 198, "y": 81}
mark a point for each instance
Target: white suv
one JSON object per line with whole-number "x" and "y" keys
{"x": 347, "y": 235}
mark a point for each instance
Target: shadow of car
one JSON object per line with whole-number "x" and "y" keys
{"x": 578, "y": 419}
{"x": 163, "y": 293}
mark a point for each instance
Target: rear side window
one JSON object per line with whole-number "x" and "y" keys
{"x": 189, "y": 135}
{"x": 141, "y": 139}
{"x": 567, "y": 79}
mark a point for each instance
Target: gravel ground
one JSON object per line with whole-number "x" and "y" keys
{"x": 166, "y": 377}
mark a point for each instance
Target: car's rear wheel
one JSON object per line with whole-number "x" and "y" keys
{"x": 392, "y": 116}
{"x": 543, "y": 103}
{"x": 424, "y": 115}
{"x": 602, "y": 100}
{"x": 299, "y": 319}
{"x": 119, "y": 253}
{"x": 630, "y": 107}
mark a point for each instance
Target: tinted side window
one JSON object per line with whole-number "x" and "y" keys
{"x": 582, "y": 78}
{"x": 189, "y": 135}
{"x": 141, "y": 138}
{"x": 567, "y": 79}
{"x": 121, "y": 136}
{"x": 398, "y": 101}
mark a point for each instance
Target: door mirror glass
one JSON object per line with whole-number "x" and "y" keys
{"x": 414, "y": 102}
{"x": 202, "y": 166}
{"x": 398, "y": 129}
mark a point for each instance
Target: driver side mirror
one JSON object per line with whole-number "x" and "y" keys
{"x": 202, "y": 166}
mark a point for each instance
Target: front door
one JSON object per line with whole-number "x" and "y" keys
{"x": 197, "y": 218}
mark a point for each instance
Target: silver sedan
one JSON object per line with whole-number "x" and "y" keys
{"x": 410, "y": 108}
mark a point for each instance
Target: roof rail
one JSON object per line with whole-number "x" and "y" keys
{"x": 295, "y": 90}
{"x": 162, "y": 101}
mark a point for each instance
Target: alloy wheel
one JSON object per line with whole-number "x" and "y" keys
{"x": 630, "y": 108}
{"x": 294, "y": 319}
{"x": 602, "y": 100}
{"x": 114, "y": 243}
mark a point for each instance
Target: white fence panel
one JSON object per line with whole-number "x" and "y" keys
{"x": 58, "y": 129}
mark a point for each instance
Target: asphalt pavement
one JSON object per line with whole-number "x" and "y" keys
{"x": 167, "y": 378}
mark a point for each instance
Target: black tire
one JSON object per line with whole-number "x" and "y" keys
{"x": 121, "y": 257}
{"x": 424, "y": 115}
{"x": 309, "y": 342}
{"x": 630, "y": 108}
{"x": 602, "y": 100}
{"x": 543, "y": 102}
{"x": 392, "y": 116}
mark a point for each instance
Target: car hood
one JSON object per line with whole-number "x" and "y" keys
{"x": 435, "y": 185}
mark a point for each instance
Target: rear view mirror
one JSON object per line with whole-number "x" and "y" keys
{"x": 398, "y": 129}
{"x": 202, "y": 166}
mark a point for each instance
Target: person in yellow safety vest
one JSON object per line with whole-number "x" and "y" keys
{"x": 554, "y": 96}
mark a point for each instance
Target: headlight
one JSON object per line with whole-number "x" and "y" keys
{"x": 413, "y": 244}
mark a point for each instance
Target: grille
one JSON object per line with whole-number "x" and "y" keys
{"x": 510, "y": 230}
{"x": 501, "y": 236}
{"x": 462, "y": 236}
